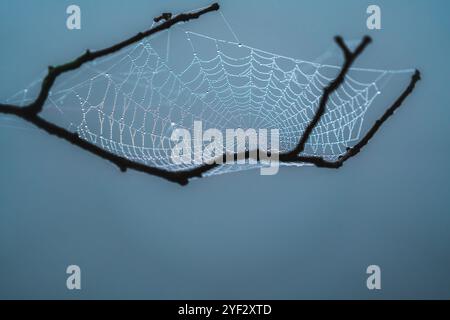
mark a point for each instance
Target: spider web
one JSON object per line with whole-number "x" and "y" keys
{"x": 130, "y": 102}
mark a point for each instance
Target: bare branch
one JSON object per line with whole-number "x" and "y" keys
{"x": 54, "y": 72}
{"x": 31, "y": 112}
{"x": 351, "y": 152}
{"x": 333, "y": 86}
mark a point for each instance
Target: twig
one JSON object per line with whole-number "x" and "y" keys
{"x": 54, "y": 72}
{"x": 350, "y": 57}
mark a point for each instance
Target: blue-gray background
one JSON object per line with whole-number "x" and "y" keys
{"x": 304, "y": 233}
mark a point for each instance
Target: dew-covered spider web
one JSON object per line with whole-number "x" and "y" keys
{"x": 130, "y": 102}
